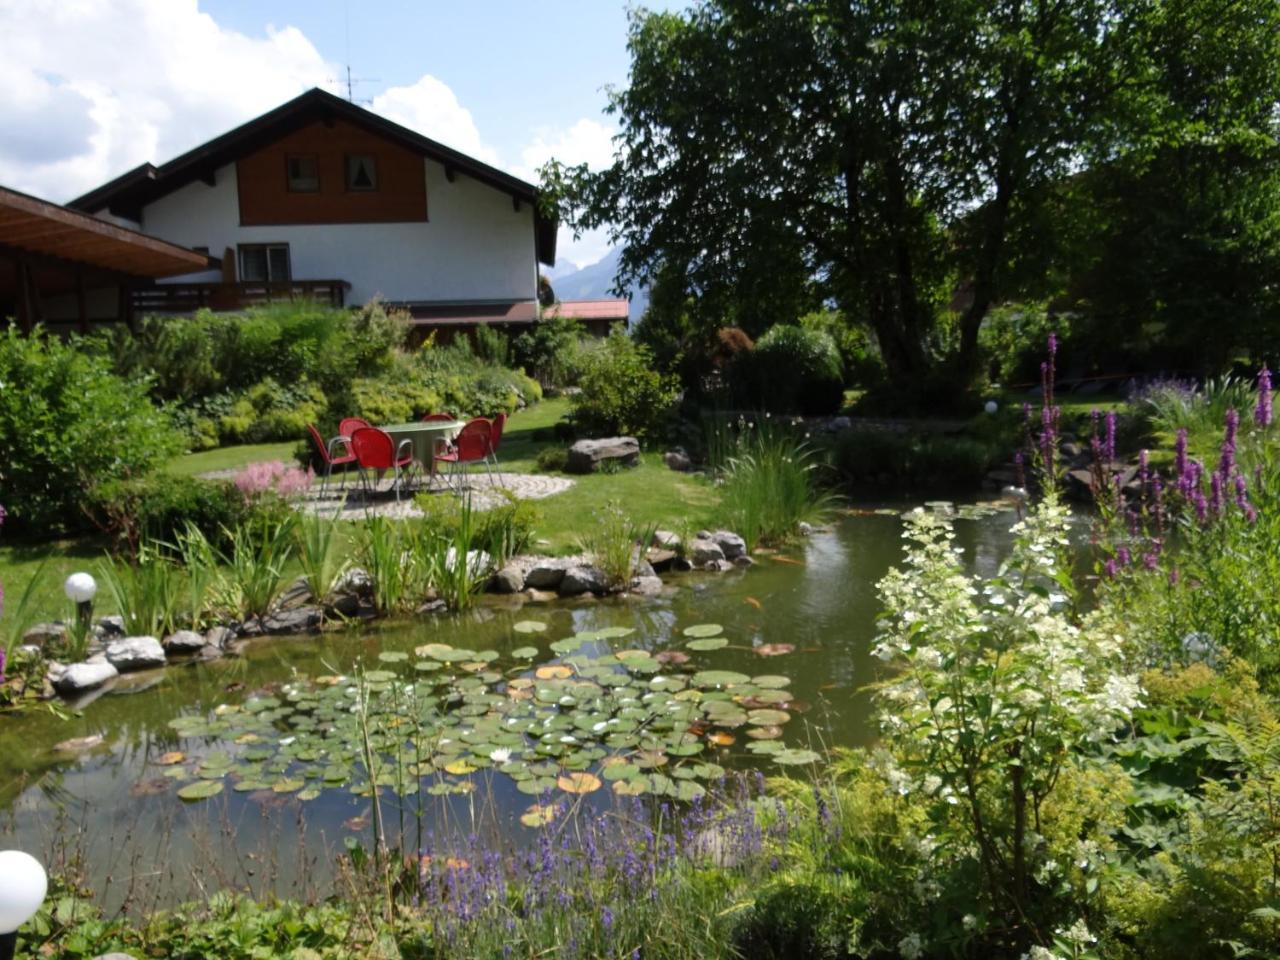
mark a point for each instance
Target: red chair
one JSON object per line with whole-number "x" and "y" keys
{"x": 375, "y": 450}
{"x": 472, "y": 445}
{"x": 349, "y": 425}
{"x": 329, "y": 457}
{"x": 445, "y": 417}
{"x": 495, "y": 436}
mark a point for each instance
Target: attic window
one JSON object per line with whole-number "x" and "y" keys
{"x": 304, "y": 174}
{"x": 362, "y": 172}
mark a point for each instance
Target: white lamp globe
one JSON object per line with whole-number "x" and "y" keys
{"x": 23, "y": 885}
{"x": 991, "y": 406}
{"x": 80, "y": 587}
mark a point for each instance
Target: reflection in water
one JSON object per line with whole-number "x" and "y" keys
{"x": 116, "y": 807}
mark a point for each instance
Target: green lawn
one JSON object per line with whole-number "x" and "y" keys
{"x": 650, "y": 494}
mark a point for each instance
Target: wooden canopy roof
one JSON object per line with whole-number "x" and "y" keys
{"x": 30, "y": 226}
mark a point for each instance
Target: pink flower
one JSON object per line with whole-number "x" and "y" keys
{"x": 274, "y": 476}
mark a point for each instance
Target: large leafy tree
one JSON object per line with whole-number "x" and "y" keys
{"x": 884, "y": 151}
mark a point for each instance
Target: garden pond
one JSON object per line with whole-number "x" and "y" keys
{"x": 253, "y": 772}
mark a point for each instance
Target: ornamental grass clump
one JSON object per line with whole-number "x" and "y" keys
{"x": 771, "y": 483}
{"x": 1001, "y": 696}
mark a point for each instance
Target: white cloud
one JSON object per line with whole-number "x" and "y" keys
{"x": 587, "y": 141}
{"x": 95, "y": 87}
{"x": 432, "y": 109}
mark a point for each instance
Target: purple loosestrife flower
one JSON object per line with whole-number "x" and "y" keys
{"x": 1180, "y": 453}
{"x": 606, "y": 921}
{"x": 1111, "y": 569}
{"x": 1215, "y": 494}
{"x": 1, "y": 665}
{"x": 1201, "y": 505}
{"x": 1173, "y": 576}
{"x": 1109, "y": 446}
{"x": 1150, "y": 561}
{"x": 1227, "y": 463}
{"x": 1262, "y": 412}
{"x": 1123, "y": 557}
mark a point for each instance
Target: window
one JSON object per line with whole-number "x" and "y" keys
{"x": 362, "y": 172}
{"x": 264, "y": 261}
{"x": 304, "y": 174}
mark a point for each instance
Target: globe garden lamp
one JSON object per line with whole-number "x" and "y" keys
{"x": 991, "y": 406}
{"x": 80, "y": 589}
{"x": 23, "y": 885}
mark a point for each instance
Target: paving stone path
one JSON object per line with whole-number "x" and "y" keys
{"x": 485, "y": 494}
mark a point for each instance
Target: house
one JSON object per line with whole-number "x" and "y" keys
{"x": 321, "y": 198}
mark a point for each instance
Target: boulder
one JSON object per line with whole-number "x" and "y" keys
{"x": 838, "y": 424}
{"x": 135, "y": 653}
{"x": 85, "y": 676}
{"x": 703, "y": 551}
{"x": 294, "y": 595}
{"x": 43, "y": 633}
{"x": 110, "y": 626}
{"x": 355, "y": 581}
{"x": 721, "y": 566}
{"x": 743, "y": 561}
{"x": 666, "y": 540}
{"x": 296, "y": 620}
{"x": 585, "y": 456}
{"x": 432, "y": 606}
{"x": 533, "y": 595}
{"x": 582, "y": 579}
{"x": 731, "y": 545}
{"x": 660, "y": 560}
{"x": 219, "y": 636}
{"x": 510, "y": 579}
{"x": 183, "y": 642}
{"x": 547, "y": 573}
{"x": 646, "y": 586}
{"x": 678, "y": 460}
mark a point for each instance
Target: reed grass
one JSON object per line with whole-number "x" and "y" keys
{"x": 771, "y": 483}
{"x": 316, "y": 545}
{"x": 148, "y": 593}
{"x": 255, "y": 563}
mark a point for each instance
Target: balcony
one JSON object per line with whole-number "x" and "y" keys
{"x": 189, "y": 297}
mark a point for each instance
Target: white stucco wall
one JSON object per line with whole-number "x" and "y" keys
{"x": 474, "y": 246}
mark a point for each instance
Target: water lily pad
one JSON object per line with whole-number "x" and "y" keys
{"x": 170, "y": 758}
{"x": 719, "y": 678}
{"x": 632, "y": 787}
{"x": 771, "y": 732}
{"x": 703, "y": 630}
{"x": 524, "y": 653}
{"x": 568, "y": 644}
{"x": 250, "y": 786}
{"x": 459, "y": 768}
{"x": 578, "y": 782}
{"x": 288, "y": 785}
{"x": 379, "y": 676}
{"x": 553, "y": 671}
{"x": 393, "y": 656}
{"x": 795, "y": 757}
{"x": 709, "y": 643}
{"x": 200, "y": 790}
{"x": 774, "y": 649}
{"x": 768, "y": 718}
{"x": 433, "y": 650}
{"x": 613, "y": 633}
{"x": 539, "y": 815}
{"x": 620, "y": 771}
{"x": 529, "y": 626}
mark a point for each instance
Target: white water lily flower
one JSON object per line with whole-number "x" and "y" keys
{"x": 287, "y": 740}
{"x": 500, "y": 755}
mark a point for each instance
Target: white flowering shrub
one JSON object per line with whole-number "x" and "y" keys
{"x": 1000, "y": 697}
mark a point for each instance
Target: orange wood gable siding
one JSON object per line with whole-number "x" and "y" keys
{"x": 265, "y": 199}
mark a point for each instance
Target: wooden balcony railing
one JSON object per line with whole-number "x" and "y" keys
{"x": 189, "y": 297}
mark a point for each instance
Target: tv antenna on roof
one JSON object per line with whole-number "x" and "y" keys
{"x": 350, "y": 80}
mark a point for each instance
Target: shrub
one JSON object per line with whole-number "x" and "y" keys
{"x": 621, "y": 393}
{"x": 159, "y": 507}
{"x": 553, "y": 459}
{"x": 859, "y": 353}
{"x": 68, "y": 424}
{"x": 392, "y": 401}
{"x": 885, "y": 460}
{"x": 791, "y": 370}
{"x": 549, "y": 350}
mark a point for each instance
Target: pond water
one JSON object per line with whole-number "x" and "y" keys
{"x": 115, "y": 806}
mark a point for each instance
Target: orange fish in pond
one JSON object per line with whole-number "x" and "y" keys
{"x": 791, "y": 560}
{"x": 752, "y": 601}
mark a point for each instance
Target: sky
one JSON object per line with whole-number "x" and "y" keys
{"x": 95, "y": 87}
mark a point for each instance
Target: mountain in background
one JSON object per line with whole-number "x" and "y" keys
{"x": 595, "y": 282}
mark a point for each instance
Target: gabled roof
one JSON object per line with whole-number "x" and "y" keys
{"x": 128, "y": 193}
{"x": 30, "y": 225}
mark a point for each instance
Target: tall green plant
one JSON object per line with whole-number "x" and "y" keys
{"x": 615, "y": 543}
{"x": 148, "y": 593}
{"x": 316, "y": 543}
{"x": 771, "y": 484}
{"x": 255, "y": 562}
